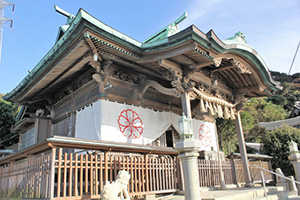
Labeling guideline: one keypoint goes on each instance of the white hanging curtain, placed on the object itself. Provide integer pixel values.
(111, 121)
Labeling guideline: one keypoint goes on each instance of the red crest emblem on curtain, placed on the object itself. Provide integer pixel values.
(130, 124)
(205, 135)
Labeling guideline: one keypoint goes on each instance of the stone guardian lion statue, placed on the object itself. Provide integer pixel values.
(117, 190)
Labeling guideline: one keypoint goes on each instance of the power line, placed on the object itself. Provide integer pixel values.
(12, 61)
(294, 59)
(28, 30)
(28, 46)
(37, 26)
(3, 19)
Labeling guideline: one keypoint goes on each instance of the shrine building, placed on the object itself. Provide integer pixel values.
(100, 101)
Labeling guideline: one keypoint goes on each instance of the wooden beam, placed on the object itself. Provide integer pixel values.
(169, 65)
(222, 68)
(252, 88)
(200, 65)
(96, 56)
(171, 52)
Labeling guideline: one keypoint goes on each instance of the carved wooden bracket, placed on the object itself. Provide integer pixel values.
(149, 83)
(218, 62)
(100, 74)
(235, 63)
(241, 67)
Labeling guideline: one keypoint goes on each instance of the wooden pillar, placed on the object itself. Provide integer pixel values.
(234, 174)
(105, 166)
(59, 172)
(147, 173)
(243, 151)
(52, 173)
(186, 105)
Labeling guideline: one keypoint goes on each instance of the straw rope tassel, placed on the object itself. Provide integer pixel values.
(220, 111)
(202, 107)
(232, 116)
(211, 110)
(226, 113)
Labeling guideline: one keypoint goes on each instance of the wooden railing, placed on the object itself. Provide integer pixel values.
(233, 172)
(254, 171)
(84, 175)
(209, 172)
(67, 168)
(26, 178)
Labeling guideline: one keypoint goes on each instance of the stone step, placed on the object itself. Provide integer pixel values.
(255, 193)
(236, 194)
(293, 198)
(283, 195)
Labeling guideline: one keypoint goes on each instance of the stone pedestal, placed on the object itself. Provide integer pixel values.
(295, 160)
(188, 149)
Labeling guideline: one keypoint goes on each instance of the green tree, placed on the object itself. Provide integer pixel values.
(281, 77)
(276, 144)
(227, 135)
(291, 94)
(7, 117)
(278, 100)
(255, 110)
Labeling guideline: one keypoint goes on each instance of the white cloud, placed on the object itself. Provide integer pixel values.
(271, 29)
(197, 9)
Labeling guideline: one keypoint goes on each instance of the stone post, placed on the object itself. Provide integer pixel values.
(188, 149)
(292, 185)
(279, 180)
(243, 151)
(294, 157)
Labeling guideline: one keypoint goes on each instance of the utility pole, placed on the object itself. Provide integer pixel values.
(3, 19)
(294, 59)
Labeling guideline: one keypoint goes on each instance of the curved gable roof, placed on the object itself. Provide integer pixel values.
(188, 42)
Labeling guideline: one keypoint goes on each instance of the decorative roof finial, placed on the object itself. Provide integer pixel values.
(65, 13)
(238, 36)
(169, 30)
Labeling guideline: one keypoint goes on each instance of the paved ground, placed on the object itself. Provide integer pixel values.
(232, 193)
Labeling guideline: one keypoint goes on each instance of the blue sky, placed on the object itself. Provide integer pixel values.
(272, 27)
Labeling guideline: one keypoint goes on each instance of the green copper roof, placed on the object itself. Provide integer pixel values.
(162, 39)
(239, 40)
(167, 31)
(241, 46)
(71, 24)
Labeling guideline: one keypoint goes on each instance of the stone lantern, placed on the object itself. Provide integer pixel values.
(188, 149)
(185, 127)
